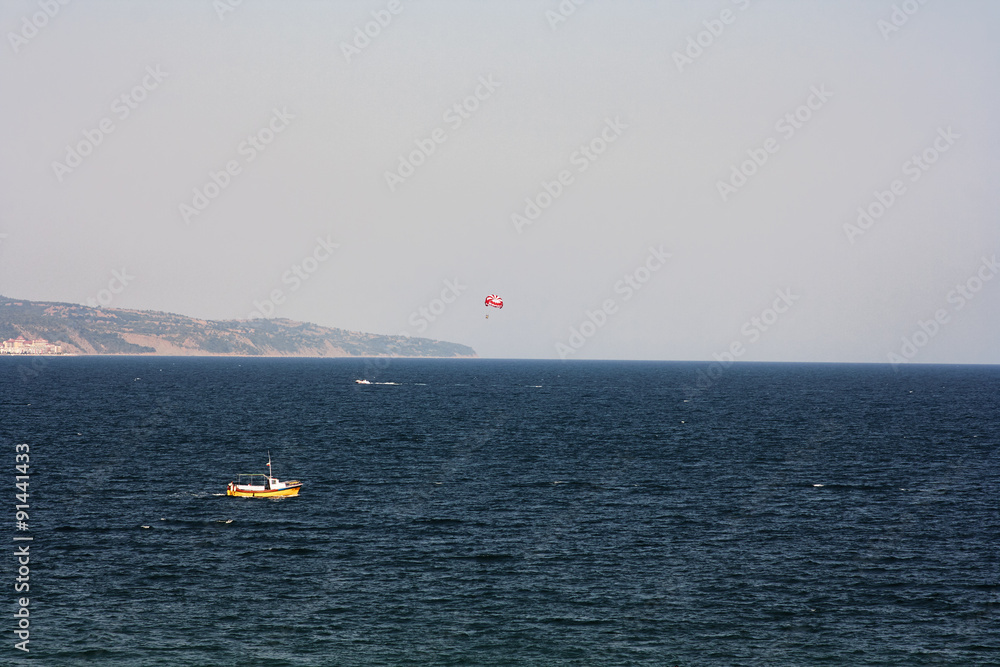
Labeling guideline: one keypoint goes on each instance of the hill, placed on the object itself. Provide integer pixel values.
(83, 330)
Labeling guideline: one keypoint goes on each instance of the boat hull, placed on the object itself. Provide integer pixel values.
(271, 493)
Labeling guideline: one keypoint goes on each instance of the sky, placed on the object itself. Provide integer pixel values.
(737, 180)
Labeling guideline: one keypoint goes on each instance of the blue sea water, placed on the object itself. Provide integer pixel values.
(477, 512)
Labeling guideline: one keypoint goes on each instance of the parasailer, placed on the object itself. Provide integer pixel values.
(493, 301)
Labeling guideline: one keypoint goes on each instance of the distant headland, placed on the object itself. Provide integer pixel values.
(45, 327)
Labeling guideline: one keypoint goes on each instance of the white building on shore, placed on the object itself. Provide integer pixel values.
(21, 346)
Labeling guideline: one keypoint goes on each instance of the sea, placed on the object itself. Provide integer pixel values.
(500, 512)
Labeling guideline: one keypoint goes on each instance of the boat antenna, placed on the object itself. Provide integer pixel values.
(269, 475)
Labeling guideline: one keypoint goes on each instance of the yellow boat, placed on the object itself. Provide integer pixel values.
(258, 485)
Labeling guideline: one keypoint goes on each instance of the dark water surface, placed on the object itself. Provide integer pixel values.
(506, 513)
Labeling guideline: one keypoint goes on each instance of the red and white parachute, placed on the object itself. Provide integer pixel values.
(493, 301)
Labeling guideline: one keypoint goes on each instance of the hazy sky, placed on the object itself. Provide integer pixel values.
(695, 165)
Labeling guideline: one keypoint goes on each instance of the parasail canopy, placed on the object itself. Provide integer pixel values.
(494, 300)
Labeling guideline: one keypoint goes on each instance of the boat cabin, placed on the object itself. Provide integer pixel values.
(255, 482)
